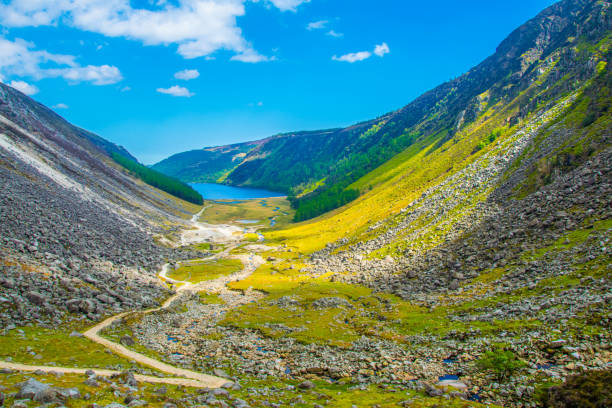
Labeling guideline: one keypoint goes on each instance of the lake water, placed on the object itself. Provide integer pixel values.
(211, 191)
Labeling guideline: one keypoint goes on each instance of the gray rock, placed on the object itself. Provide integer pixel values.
(68, 393)
(329, 302)
(306, 385)
(432, 391)
(29, 388)
(220, 373)
(47, 396)
(36, 298)
(127, 341)
(220, 392)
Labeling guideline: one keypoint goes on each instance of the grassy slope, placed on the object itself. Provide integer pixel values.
(401, 180)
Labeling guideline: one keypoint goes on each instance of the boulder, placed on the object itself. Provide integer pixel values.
(127, 341)
(28, 389)
(36, 298)
(306, 385)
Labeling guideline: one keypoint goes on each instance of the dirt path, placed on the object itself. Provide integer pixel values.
(201, 233)
(203, 379)
(104, 373)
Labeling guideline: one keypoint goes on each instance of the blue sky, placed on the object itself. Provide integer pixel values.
(164, 76)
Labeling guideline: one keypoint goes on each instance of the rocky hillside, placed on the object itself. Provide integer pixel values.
(322, 165)
(72, 219)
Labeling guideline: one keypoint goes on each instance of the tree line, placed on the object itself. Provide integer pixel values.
(156, 179)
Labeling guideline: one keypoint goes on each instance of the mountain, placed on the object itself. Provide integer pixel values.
(207, 165)
(551, 72)
(321, 165)
(70, 211)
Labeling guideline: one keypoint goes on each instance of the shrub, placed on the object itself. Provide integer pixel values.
(502, 363)
(588, 390)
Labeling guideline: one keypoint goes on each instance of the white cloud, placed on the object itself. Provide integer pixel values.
(176, 91)
(381, 49)
(60, 106)
(317, 25)
(18, 58)
(197, 27)
(288, 5)
(97, 75)
(125, 89)
(24, 87)
(353, 56)
(187, 74)
(251, 56)
(332, 33)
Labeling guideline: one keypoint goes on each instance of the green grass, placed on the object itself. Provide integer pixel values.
(56, 347)
(377, 315)
(209, 298)
(102, 395)
(198, 271)
(220, 212)
(276, 391)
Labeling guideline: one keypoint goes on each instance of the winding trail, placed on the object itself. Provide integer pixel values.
(101, 372)
(201, 233)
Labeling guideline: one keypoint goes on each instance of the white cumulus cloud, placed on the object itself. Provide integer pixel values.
(60, 106)
(187, 74)
(197, 27)
(176, 91)
(353, 56)
(24, 87)
(19, 58)
(381, 49)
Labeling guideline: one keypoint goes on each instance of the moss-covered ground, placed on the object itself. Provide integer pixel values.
(284, 393)
(44, 346)
(201, 270)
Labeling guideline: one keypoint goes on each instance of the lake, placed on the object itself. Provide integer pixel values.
(211, 191)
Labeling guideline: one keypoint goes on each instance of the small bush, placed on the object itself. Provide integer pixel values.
(502, 363)
(589, 390)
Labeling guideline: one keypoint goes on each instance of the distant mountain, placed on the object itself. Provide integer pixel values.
(207, 165)
(322, 165)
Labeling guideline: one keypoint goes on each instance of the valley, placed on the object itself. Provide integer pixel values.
(452, 253)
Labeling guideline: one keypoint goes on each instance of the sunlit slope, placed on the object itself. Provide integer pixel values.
(499, 130)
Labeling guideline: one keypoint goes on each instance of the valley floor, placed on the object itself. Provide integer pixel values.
(257, 318)
(192, 333)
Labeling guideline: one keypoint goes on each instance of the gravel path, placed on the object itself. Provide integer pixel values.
(202, 232)
(104, 373)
